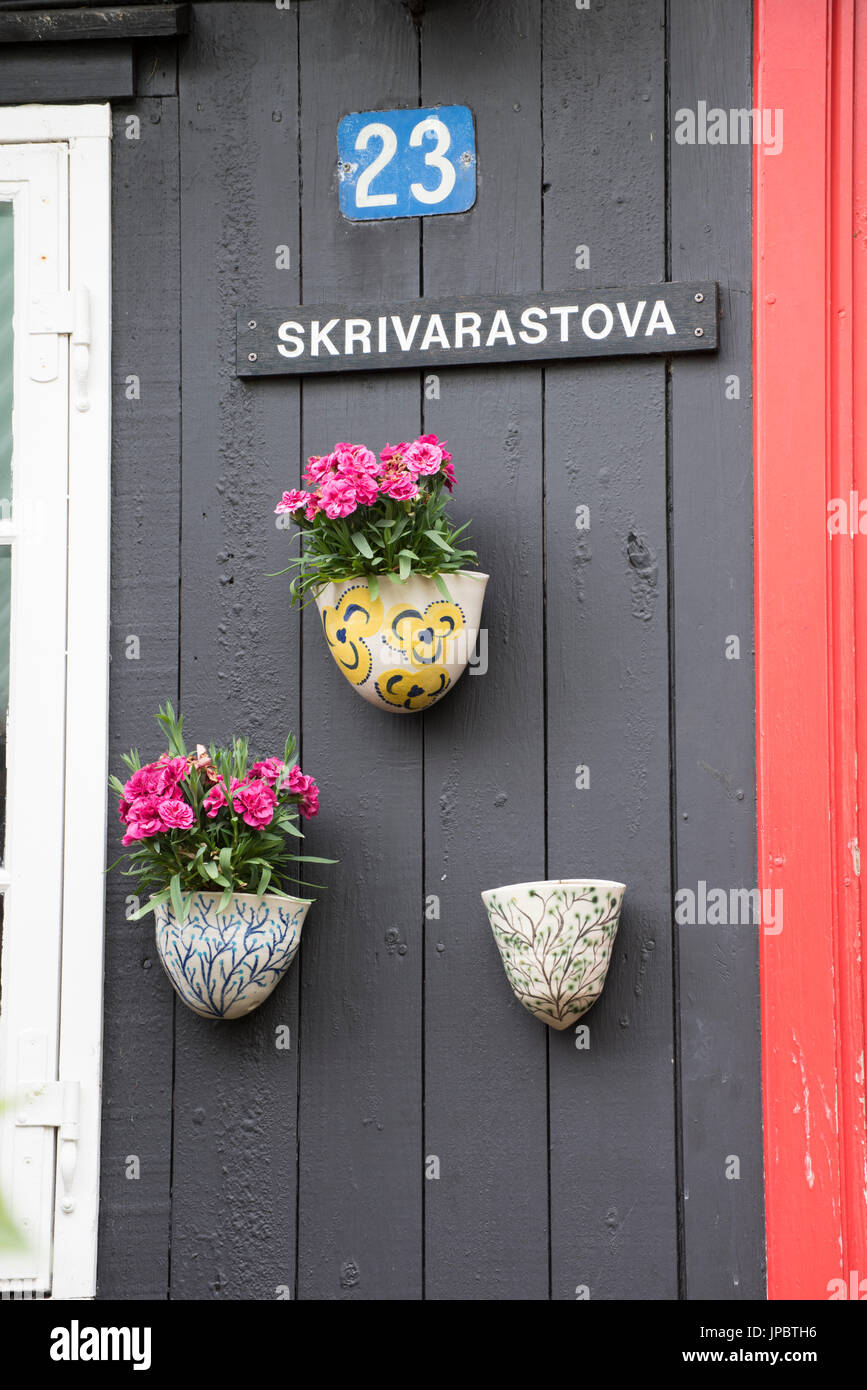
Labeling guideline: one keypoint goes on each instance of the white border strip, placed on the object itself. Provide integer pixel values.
(87, 670)
(34, 124)
(86, 132)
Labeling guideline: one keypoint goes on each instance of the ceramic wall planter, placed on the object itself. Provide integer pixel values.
(556, 939)
(403, 650)
(225, 964)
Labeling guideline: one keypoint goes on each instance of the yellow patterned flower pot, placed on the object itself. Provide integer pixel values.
(403, 650)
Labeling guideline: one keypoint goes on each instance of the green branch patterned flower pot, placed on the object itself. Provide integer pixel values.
(403, 650)
(556, 939)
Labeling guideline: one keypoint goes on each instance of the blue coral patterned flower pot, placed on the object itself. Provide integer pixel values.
(556, 940)
(225, 964)
(403, 650)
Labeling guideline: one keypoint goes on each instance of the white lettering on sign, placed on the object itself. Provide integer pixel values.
(467, 322)
(531, 318)
(659, 319)
(291, 332)
(357, 331)
(434, 333)
(404, 340)
(465, 329)
(319, 335)
(435, 159)
(630, 325)
(375, 131)
(501, 329)
(607, 320)
(563, 314)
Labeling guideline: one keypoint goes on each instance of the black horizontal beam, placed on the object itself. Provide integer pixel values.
(70, 4)
(53, 72)
(137, 21)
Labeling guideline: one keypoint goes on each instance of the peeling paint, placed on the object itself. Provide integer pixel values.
(808, 1162)
(856, 856)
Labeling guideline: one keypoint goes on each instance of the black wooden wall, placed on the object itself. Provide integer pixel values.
(266, 1172)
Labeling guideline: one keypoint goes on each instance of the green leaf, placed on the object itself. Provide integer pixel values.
(268, 841)
(441, 586)
(214, 874)
(226, 860)
(149, 906)
(290, 827)
(373, 586)
(404, 566)
(264, 880)
(359, 540)
(225, 900)
(177, 898)
(439, 540)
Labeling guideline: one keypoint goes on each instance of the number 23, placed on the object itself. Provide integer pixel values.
(435, 158)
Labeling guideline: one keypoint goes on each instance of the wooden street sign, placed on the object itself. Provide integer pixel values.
(477, 329)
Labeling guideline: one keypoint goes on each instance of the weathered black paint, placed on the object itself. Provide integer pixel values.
(713, 745)
(138, 1059)
(486, 1232)
(361, 1185)
(263, 1170)
(95, 22)
(44, 72)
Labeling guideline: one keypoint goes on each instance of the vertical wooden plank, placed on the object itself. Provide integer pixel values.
(361, 1103)
(613, 1159)
(234, 1176)
(714, 695)
(485, 1057)
(137, 1058)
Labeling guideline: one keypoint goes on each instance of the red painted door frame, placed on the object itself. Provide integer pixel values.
(810, 323)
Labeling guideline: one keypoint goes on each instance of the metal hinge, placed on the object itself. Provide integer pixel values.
(55, 1105)
(64, 312)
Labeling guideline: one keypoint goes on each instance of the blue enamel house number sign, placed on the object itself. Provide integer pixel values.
(407, 163)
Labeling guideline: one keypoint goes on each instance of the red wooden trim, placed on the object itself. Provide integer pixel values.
(811, 638)
(855, 235)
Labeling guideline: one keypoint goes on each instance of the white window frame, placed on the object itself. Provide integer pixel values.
(84, 132)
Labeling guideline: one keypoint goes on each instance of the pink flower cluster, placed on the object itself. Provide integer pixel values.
(255, 799)
(353, 477)
(153, 802)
